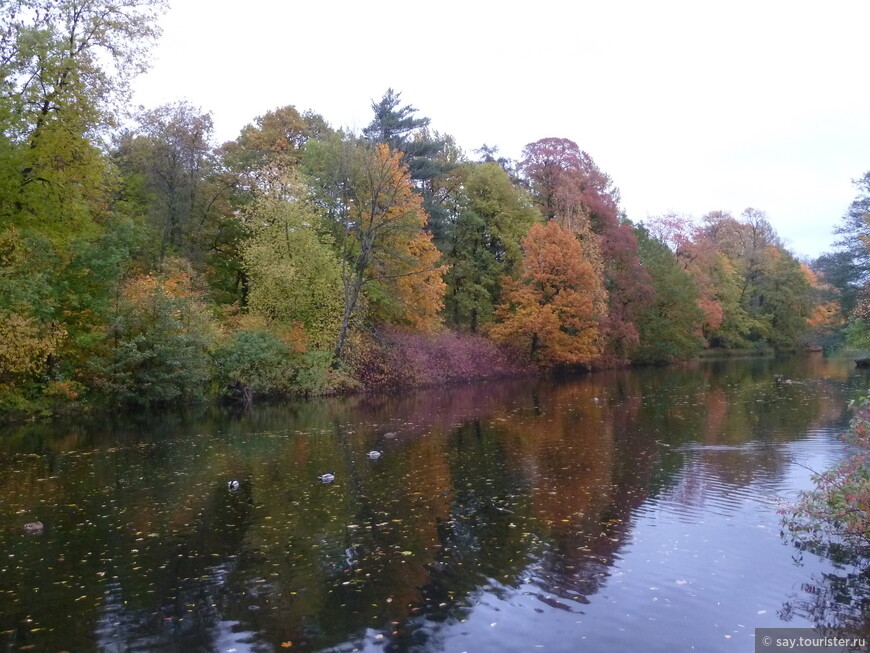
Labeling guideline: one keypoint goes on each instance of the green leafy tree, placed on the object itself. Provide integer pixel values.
(157, 349)
(257, 164)
(775, 299)
(492, 216)
(670, 326)
(847, 267)
(30, 333)
(787, 299)
(183, 194)
(753, 292)
(269, 149)
(255, 363)
(66, 68)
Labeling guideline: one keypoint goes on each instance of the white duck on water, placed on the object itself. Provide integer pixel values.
(374, 454)
(328, 477)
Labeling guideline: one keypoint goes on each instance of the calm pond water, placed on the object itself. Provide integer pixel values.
(633, 510)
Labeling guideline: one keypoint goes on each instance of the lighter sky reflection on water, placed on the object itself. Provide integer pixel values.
(703, 565)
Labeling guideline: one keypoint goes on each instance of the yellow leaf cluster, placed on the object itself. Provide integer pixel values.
(25, 344)
(421, 292)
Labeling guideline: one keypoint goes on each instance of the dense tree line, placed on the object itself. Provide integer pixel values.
(148, 263)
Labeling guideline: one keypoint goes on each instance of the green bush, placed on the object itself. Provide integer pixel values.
(857, 334)
(317, 375)
(255, 363)
(157, 351)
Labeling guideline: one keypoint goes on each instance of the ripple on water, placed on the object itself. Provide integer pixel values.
(710, 540)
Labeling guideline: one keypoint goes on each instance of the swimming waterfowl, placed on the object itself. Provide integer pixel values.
(328, 477)
(374, 454)
(233, 485)
(34, 527)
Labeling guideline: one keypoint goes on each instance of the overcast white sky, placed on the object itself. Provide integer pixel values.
(689, 106)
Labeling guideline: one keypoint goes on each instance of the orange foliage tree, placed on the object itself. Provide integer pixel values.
(416, 283)
(387, 256)
(825, 316)
(553, 310)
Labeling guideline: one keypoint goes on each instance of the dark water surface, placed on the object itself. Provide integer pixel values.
(624, 511)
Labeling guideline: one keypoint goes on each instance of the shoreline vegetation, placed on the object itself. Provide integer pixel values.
(142, 264)
(401, 363)
(833, 519)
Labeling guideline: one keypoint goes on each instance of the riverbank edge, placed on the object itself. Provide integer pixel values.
(401, 363)
(833, 519)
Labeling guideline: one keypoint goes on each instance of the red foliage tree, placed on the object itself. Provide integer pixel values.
(572, 190)
(697, 253)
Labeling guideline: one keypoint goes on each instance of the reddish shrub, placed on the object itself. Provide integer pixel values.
(398, 359)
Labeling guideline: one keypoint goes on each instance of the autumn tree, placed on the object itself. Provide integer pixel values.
(749, 243)
(553, 168)
(709, 269)
(552, 311)
(30, 331)
(270, 148)
(397, 126)
(388, 260)
(424, 153)
(827, 319)
(292, 270)
(157, 350)
(65, 68)
(753, 291)
(750, 247)
(572, 189)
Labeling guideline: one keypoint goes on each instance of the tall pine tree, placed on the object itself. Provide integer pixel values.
(423, 153)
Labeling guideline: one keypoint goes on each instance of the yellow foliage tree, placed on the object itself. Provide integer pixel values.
(419, 289)
(293, 274)
(25, 345)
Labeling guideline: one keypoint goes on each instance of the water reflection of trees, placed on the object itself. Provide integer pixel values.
(510, 487)
(836, 600)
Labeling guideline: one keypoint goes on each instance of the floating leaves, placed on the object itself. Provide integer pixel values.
(529, 505)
